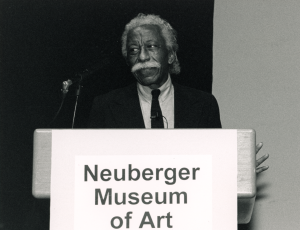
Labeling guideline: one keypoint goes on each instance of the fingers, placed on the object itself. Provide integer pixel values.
(262, 159)
(261, 169)
(258, 147)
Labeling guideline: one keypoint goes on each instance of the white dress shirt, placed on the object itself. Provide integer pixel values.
(166, 102)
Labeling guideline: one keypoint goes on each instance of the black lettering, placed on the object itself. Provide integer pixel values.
(184, 173)
(123, 175)
(144, 174)
(128, 217)
(194, 172)
(130, 174)
(157, 173)
(158, 220)
(168, 222)
(160, 202)
(132, 196)
(170, 178)
(88, 170)
(123, 200)
(103, 200)
(178, 197)
(103, 174)
(147, 195)
(120, 222)
(147, 214)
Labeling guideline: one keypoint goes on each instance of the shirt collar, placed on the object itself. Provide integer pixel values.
(165, 90)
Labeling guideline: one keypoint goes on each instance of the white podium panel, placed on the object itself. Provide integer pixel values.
(245, 145)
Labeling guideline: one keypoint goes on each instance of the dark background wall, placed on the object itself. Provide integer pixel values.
(42, 44)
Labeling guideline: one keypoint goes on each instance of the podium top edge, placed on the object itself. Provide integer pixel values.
(118, 129)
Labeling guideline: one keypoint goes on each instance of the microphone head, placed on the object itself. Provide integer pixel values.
(66, 85)
(157, 116)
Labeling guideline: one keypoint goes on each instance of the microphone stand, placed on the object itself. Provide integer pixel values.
(78, 80)
(77, 94)
(65, 90)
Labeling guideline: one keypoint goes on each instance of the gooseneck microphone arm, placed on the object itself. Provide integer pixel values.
(77, 80)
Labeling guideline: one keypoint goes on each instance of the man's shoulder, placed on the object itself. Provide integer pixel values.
(130, 91)
(116, 94)
(194, 94)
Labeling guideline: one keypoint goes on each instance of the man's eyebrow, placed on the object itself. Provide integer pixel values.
(132, 43)
(137, 42)
(151, 40)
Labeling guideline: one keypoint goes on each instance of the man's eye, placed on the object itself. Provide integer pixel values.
(152, 46)
(133, 50)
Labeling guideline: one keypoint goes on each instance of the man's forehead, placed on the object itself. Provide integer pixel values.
(151, 32)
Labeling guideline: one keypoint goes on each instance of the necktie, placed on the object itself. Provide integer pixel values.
(156, 114)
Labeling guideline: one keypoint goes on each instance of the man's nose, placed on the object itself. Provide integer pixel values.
(144, 55)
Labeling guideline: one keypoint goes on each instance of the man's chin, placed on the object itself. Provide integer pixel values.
(147, 76)
(146, 81)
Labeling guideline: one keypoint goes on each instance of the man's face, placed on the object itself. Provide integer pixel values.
(147, 55)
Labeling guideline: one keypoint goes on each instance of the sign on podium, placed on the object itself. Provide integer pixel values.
(145, 179)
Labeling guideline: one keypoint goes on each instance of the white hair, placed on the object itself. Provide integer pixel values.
(167, 32)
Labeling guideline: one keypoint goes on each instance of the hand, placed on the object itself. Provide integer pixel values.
(261, 160)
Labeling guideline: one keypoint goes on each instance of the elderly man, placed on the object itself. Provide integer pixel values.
(149, 46)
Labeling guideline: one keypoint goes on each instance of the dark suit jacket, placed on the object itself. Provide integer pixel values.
(121, 109)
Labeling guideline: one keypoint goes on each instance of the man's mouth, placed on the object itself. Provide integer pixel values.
(147, 72)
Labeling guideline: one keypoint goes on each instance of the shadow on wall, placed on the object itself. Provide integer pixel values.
(261, 194)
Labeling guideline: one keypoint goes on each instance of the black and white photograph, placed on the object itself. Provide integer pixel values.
(149, 114)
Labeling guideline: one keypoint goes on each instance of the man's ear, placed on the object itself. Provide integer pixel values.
(171, 57)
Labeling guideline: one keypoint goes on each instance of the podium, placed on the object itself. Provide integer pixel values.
(246, 176)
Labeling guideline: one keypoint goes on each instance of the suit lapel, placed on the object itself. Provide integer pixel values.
(188, 110)
(126, 109)
(127, 113)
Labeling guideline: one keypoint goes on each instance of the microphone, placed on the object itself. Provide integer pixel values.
(157, 116)
(65, 86)
(85, 74)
